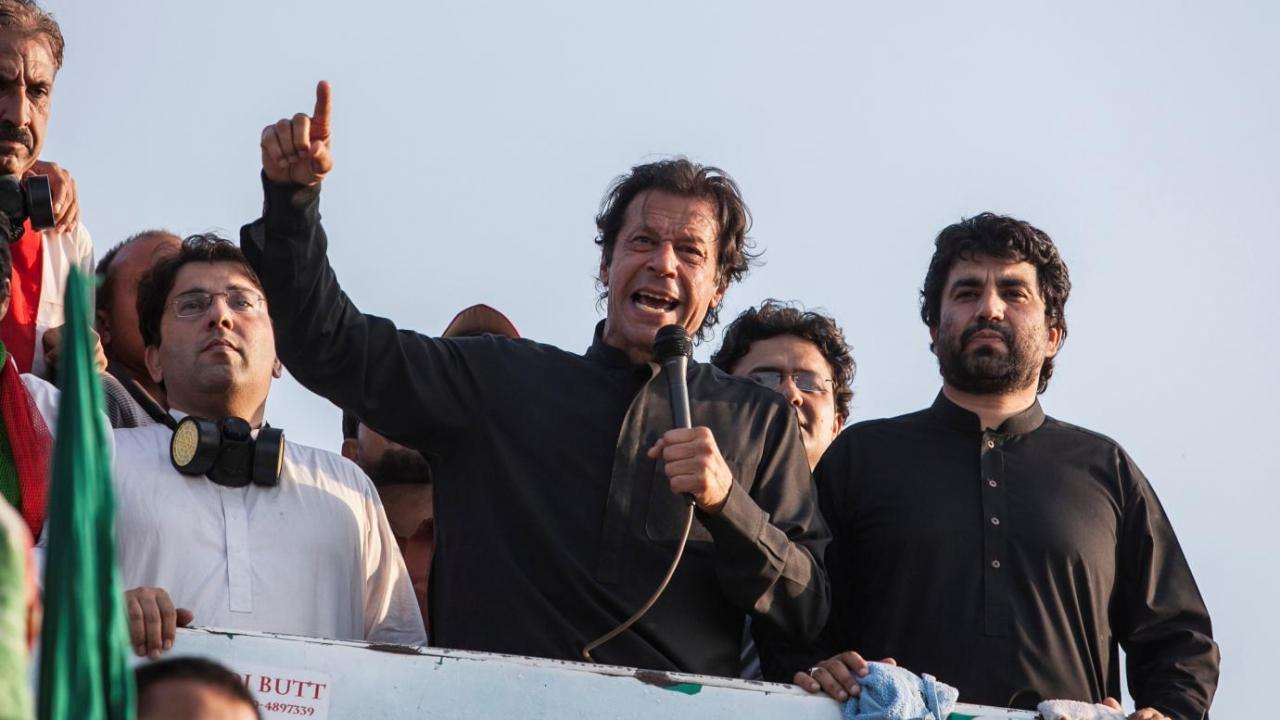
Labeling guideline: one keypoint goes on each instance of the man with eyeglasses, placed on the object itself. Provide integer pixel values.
(801, 354)
(304, 550)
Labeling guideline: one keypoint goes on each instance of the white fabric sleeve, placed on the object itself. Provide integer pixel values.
(45, 395)
(84, 249)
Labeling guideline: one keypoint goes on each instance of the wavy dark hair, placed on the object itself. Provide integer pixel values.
(1005, 238)
(29, 19)
(683, 177)
(157, 283)
(774, 318)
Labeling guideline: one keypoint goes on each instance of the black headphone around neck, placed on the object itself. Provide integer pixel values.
(226, 452)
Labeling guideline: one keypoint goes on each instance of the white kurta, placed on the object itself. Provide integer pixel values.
(312, 556)
(60, 253)
(45, 396)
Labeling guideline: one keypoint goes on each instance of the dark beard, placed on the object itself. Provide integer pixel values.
(400, 466)
(984, 371)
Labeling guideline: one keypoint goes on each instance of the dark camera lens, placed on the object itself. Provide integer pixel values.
(29, 199)
(11, 201)
(39, 202)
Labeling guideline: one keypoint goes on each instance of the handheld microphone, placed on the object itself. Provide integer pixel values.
(672, 349)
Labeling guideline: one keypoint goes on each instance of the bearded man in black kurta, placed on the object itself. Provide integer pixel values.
(558, 476)
(1006, 552)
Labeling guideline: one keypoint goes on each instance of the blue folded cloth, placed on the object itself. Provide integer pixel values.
(893, 693)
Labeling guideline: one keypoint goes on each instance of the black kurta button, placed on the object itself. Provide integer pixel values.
(992, 482)
(995, 564)
(991, 444)
(995, 520)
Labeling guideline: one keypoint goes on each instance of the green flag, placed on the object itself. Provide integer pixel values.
(84, 642)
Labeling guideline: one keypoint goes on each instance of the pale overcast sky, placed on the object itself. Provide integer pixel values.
(473, 141)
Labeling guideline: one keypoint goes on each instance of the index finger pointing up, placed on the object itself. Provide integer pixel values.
(324, 105)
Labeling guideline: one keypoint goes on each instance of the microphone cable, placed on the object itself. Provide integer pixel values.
(675, 562)
(672, 348)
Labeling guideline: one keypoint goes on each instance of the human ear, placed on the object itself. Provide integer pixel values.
(102, 324)
(715, 299)
(1055, 337)
(151, 355)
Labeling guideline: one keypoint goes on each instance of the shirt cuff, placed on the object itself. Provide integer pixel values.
(289, 205)
(740, 519)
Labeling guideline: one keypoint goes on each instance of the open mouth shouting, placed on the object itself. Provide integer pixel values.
(655, 301)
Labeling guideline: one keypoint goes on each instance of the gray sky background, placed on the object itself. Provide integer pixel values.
(474, 140)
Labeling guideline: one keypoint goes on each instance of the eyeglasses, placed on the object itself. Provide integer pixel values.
(806, 380)
(196, 303)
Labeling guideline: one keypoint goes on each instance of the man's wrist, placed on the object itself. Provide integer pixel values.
(737, 517)
(289, 202)
(715, 507)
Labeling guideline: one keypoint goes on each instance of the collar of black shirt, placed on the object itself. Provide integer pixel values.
(610, 356)
(952, 415)
(604, 353)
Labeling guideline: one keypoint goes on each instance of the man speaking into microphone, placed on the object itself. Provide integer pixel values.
(566, 475)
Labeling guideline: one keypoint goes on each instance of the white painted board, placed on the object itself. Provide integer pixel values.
(324, 679)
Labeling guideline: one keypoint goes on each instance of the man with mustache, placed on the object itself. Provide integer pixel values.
(297, 545)
(559, 473)
(1006, 552)
(31, 46)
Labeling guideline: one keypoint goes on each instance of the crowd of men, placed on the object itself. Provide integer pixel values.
(1005, 551)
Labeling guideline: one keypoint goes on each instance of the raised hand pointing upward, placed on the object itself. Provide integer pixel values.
(296, 149)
